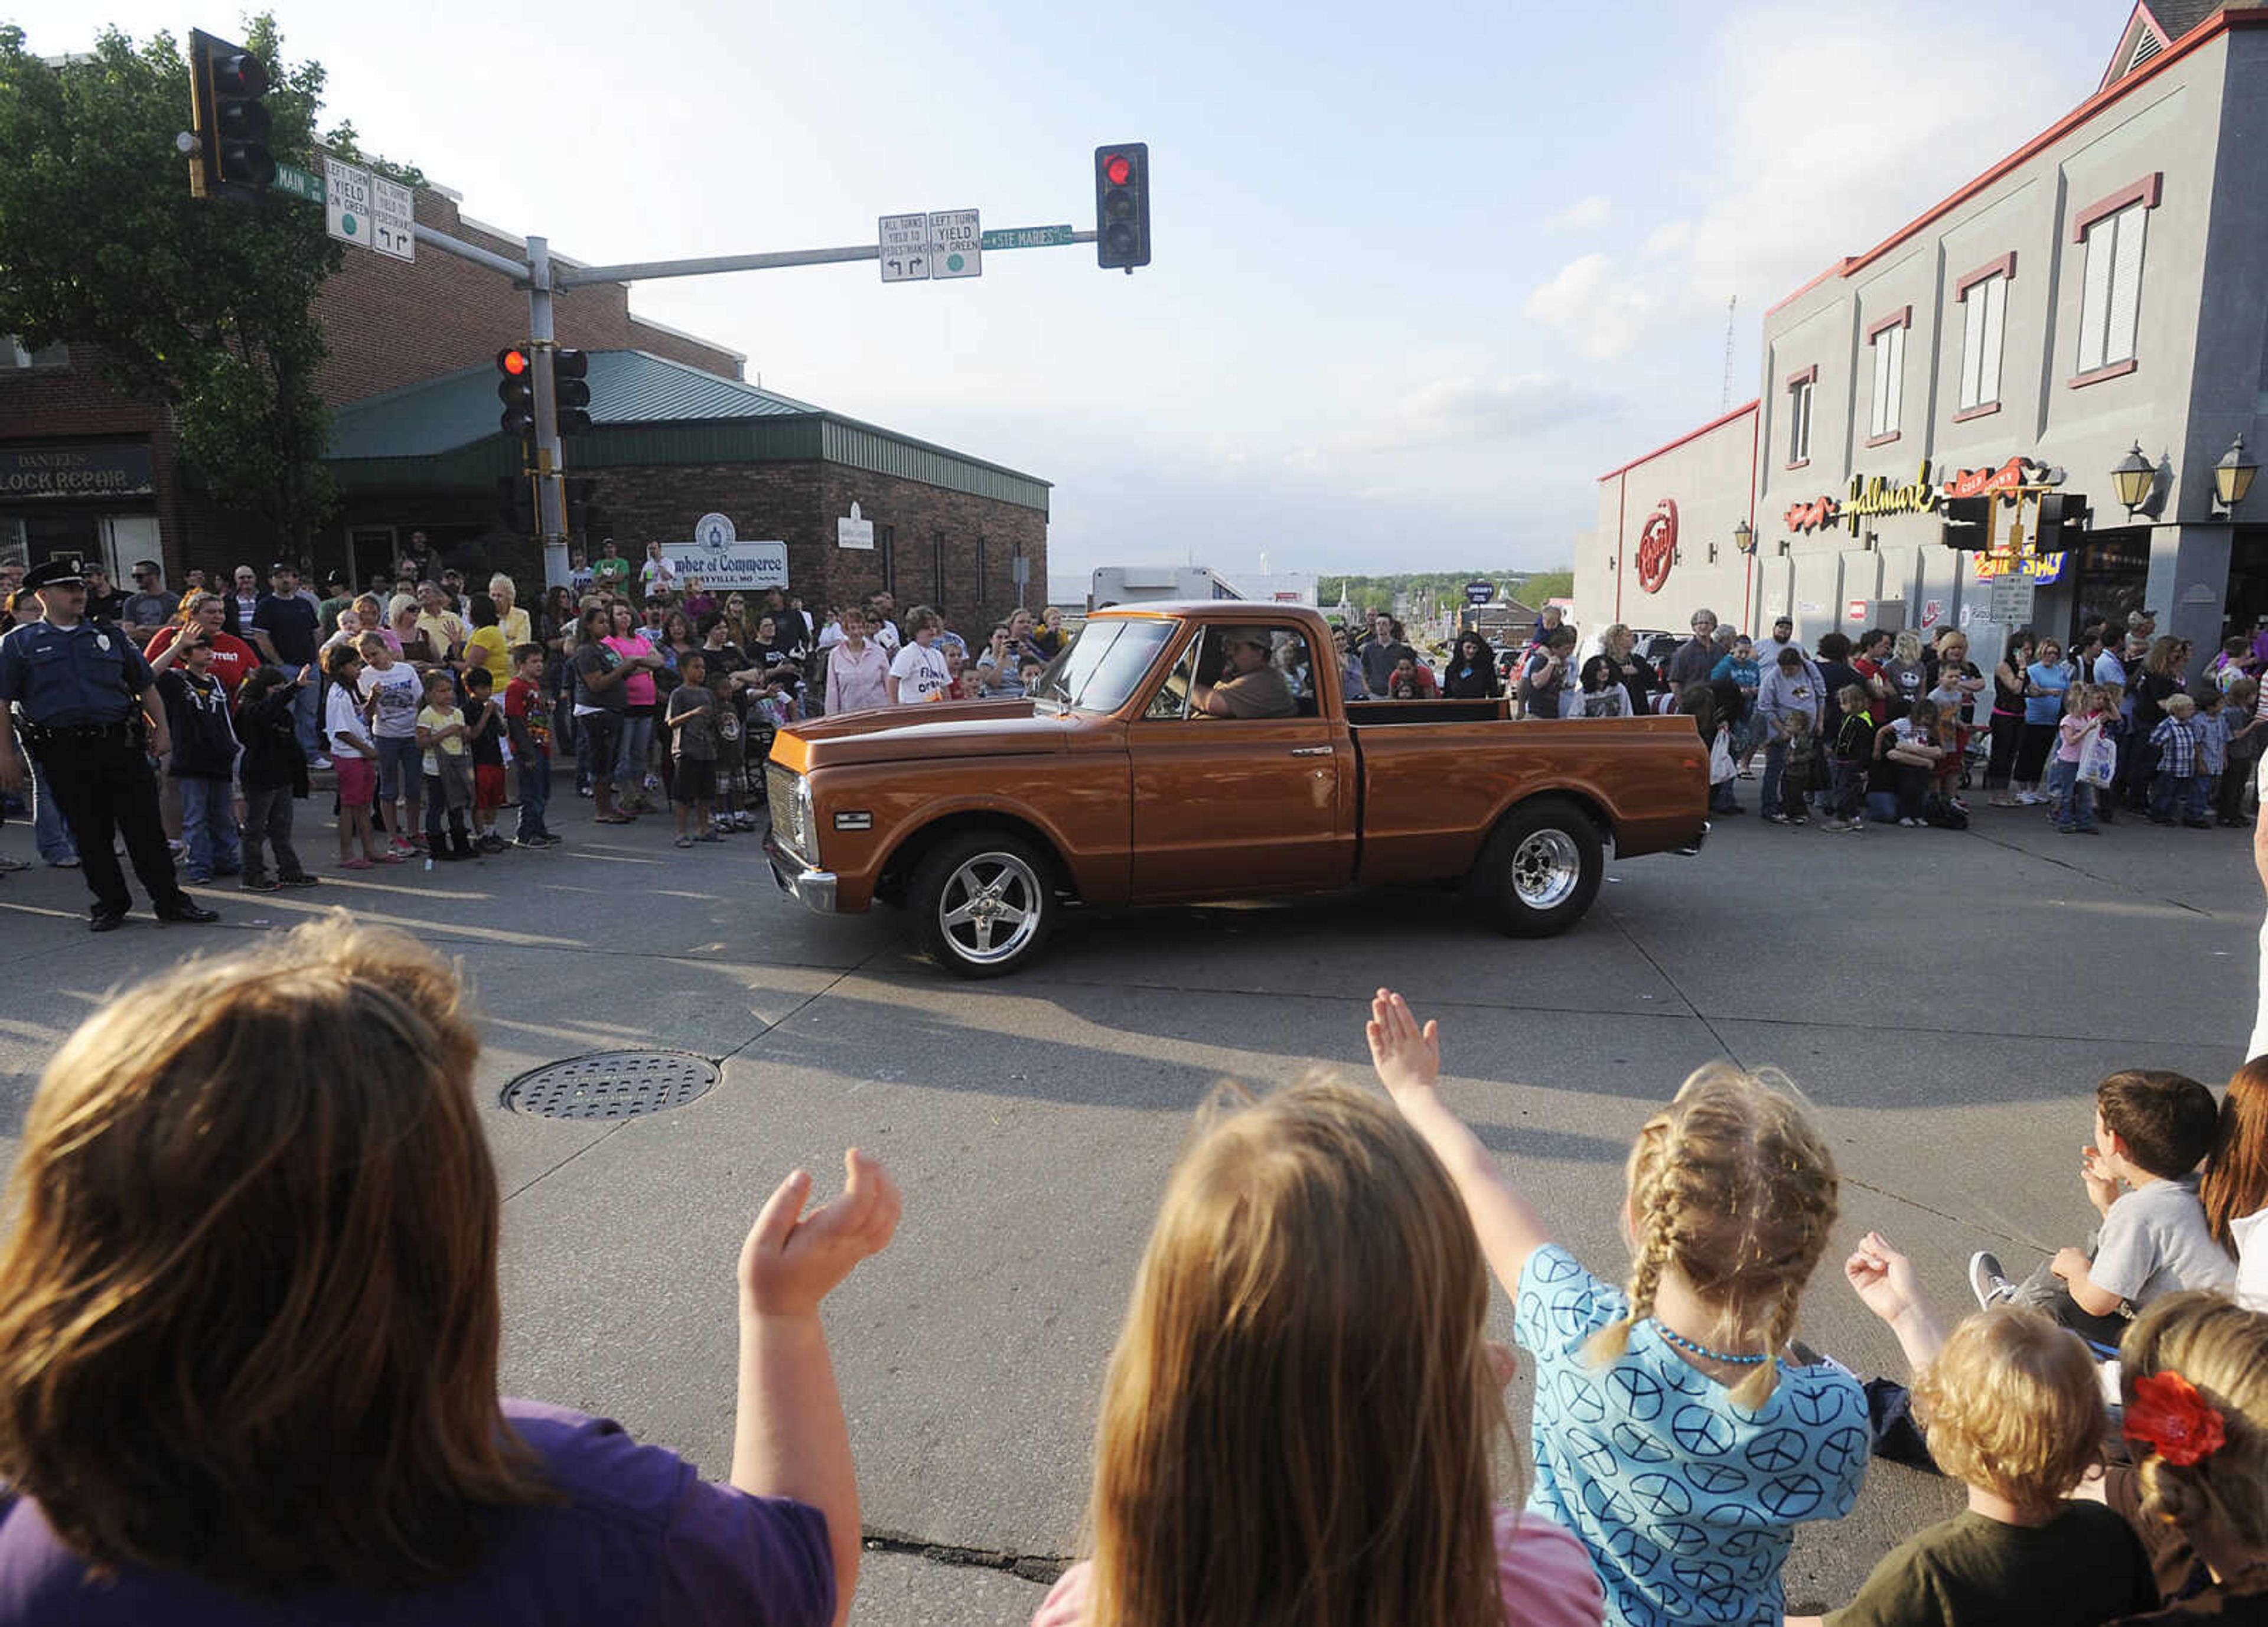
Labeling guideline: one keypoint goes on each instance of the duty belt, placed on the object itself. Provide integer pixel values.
(38, 735)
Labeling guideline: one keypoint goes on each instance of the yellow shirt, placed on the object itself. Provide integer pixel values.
(518, 630)
(492, 647)
(434, 718)
(445, 632)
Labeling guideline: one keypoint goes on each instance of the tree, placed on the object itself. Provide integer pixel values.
(208, 307)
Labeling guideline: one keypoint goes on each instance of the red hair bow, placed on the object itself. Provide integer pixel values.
(2168, 1416)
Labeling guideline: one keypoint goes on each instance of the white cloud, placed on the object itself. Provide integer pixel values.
(1602, 313)
(1586, 214)
(1467, 412)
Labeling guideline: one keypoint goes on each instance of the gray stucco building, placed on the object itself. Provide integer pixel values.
(2103, 287)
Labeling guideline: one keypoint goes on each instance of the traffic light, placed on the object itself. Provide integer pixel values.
(571, 396)
(2062, 516)
(226, 83)
(1967, 523)
(516, 389)
(516, 504)
(1122, 205)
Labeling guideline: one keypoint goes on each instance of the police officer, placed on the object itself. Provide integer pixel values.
(82, 697)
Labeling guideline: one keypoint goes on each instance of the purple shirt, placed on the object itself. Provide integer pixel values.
(641, 1539)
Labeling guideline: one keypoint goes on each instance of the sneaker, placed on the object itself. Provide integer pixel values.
(1838, 825)
(527, 841)
(261, 884)
(1801, 818)
(198, 878)
(1909, 824)
(301, 879)
(8, 863)
(745, 820)
(687, 842)
(1775, 819)
(318, 762)
(490, 843)
(1988, 1282)
(550, 841)
(392, 856)
(1859, 824)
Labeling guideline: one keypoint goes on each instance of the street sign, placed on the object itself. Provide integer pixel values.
(392, 220)
(346, 201)
(2011, 602)
(1028, 237)
(955, 244)
(905, 248)
(856, 531)
(297, 183)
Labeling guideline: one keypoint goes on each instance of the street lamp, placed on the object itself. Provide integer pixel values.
(2133, 478)
(2232, 476)
(1744, 537)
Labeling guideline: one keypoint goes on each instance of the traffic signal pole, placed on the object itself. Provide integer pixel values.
(551, 506)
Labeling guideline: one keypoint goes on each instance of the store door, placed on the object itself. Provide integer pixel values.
(2114, 572)
(127, 538)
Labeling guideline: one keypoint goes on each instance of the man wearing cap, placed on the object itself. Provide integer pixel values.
(1249, 686)
(82, 695)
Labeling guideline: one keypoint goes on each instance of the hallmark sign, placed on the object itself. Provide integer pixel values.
(1873, 495)
(81, 472)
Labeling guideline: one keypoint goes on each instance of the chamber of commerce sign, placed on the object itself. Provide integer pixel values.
(1873, 495)
(64, 472)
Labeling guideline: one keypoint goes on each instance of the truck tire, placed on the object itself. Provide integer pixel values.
(1540, 870)
(986, 902)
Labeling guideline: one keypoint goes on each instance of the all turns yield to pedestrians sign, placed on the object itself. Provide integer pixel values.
(939, 245)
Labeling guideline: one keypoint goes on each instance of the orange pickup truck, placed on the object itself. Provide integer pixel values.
(1173, 753)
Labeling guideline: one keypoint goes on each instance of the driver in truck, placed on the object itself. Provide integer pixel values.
(1252, 687)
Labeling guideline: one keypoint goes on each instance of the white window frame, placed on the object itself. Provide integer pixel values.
(1887, 406)
(1800, 393)
(2110, 289)
(1984, 337)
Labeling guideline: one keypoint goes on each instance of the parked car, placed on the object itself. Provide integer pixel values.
(1120, 782)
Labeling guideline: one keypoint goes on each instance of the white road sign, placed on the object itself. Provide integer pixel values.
(855, 530)
(346, 201)
(2012, 596)
(905, 248)
(392, 220)
(956, 244)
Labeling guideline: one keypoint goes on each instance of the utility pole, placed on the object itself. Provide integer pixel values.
(551, 505)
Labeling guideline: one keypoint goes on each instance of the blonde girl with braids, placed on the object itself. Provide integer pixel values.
(2194, 1376)
(1670, 1433)
(1303, 1420)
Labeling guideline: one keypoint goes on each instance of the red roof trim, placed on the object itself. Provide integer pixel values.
(1808, 375)
(1691, 435)
(2197, 38)
(2144, 192)
(2005, 265)
(1902, 317)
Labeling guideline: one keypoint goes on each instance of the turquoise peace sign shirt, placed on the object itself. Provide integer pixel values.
(1687, 1502)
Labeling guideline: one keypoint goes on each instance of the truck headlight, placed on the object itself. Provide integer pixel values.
(806, 820)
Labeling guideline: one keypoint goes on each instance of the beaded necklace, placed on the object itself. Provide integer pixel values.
(1672, 1336)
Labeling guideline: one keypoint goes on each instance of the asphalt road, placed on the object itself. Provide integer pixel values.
(1947, 999)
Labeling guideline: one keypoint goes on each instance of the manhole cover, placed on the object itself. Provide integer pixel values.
(611, 1085)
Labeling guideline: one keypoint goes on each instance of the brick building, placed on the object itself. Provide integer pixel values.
(416, 446)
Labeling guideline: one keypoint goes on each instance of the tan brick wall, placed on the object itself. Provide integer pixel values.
(389, 324)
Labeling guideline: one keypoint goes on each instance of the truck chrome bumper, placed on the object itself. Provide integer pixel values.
(814, 889)
(1694, 848)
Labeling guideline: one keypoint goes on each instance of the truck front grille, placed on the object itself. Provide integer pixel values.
(780, 792)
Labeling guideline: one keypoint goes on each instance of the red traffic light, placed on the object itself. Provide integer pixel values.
(513, 363)
(1119, 168)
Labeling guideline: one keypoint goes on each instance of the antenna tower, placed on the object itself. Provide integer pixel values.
(1724, 400)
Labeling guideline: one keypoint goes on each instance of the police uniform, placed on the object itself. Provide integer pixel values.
(77, 698)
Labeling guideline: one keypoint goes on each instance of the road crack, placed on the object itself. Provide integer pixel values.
(1041, 1568)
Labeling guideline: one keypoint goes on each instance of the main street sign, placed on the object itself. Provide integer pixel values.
(297, 183)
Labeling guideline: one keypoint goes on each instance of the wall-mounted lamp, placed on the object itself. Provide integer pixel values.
(2132, 479)
(1744, 537)
(2232, 476)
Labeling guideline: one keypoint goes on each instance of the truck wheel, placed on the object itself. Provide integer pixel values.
(1540, 870)
(986, 902)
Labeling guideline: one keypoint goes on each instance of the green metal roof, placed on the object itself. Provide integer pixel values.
(644, 409)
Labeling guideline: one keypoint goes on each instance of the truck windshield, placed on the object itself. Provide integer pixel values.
(1098, 669)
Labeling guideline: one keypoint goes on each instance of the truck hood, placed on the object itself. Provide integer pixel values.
(949, 729)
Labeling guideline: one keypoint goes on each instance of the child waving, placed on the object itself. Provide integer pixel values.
(1669, 1433)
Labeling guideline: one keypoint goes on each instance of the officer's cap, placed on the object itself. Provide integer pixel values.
(67, 572)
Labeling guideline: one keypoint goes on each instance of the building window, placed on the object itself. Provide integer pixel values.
(1801, 389)
(15, 359)
(1984, 294)
(1889, 344)
(890, 541)
(2110, 296)
(983, 584)
(936, 565)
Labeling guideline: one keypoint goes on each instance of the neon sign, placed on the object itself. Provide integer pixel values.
(1872, 495)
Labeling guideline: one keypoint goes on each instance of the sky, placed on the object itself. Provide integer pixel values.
(1422, 273)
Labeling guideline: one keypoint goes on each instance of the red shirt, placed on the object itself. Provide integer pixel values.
(231, 658)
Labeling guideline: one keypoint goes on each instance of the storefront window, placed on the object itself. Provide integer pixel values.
(2113, 572)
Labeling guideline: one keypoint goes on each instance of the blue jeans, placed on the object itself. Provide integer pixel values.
(2070, 798)
(2167, 788)
(1775, 765)
(1850, 778)
(208, 826)
(534, 794)
(635, 751)
(50, 834)
(306, 709)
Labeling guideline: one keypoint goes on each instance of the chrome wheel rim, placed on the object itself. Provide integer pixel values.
(990, 908)
(1546, 869)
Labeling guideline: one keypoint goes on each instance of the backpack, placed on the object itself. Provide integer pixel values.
(1938, 812)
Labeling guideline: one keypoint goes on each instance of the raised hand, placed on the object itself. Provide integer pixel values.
(1883, 1278)
(793, 1261)
(1408, 1058)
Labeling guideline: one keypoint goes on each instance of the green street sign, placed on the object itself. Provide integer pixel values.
(298, 183)
(1028, 236)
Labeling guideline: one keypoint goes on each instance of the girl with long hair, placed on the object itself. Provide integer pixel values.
(1471, 675)
(2235, 1189)
(2007, 722)
(1674, 1393)
(1303, 1417)
(2045, 679)
(248, 1352)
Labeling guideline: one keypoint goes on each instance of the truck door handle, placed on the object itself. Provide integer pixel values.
(1311, 751)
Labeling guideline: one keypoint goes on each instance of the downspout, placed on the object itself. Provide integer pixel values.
(1756, 428)
(1621, 497)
